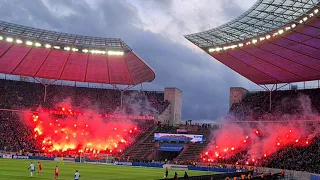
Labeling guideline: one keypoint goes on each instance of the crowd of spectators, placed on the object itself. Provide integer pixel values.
(19, 95)
(302, 158)
(286, 105)
(255, 105)
(15, 136)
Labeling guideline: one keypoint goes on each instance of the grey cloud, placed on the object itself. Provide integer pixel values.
(231, 9)
(204, 82)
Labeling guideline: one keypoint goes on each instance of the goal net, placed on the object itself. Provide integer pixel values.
(96, 158)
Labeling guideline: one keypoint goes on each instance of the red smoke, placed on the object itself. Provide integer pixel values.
(87, 133)
(257, 140)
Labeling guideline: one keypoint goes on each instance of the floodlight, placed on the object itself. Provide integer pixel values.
(254, 41)
(117, 53)
(74, 49)
(280, 31)
(48, 46)
(19, 41)
(268, 36)
(305, 19)
(85, 50)
(37, 44)
(240, 45)
(56, 47)
(29, 43)
(67, 48)
(211, 50)
(9, 39)
(316, 11)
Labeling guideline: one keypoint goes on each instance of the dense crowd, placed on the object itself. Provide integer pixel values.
(15, 136)
(18, 95)
(300, 158)
(255, 105)
(286, 105)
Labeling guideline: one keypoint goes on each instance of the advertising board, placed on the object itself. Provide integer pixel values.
(178, 137)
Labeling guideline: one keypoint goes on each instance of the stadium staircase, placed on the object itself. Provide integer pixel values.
(193, 151)
(138, 149)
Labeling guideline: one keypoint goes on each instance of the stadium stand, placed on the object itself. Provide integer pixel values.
(18, 94)
(298, 104)
(255, 105)
(296, 158)
(192, 151)
(15, 136)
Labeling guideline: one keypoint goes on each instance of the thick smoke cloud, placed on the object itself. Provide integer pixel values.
(260, 139)
(76, 129)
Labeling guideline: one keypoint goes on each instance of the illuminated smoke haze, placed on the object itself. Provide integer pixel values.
(88, 132)
(260, 139)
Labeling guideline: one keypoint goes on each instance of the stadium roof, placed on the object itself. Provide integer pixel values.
(39, 53)
(275, 41)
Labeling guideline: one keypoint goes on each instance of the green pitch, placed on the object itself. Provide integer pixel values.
(11, 169)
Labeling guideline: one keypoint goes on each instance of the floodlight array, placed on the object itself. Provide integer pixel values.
(58, 47)
(267, 36)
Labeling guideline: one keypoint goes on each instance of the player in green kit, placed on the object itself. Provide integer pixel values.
(61, 160)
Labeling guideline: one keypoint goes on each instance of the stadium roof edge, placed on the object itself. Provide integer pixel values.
(38, 53)
(48, 36)
(288, 52)
(263, 17)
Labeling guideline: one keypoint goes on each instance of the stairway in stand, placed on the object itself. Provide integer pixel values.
(142, 148)
(194, 150)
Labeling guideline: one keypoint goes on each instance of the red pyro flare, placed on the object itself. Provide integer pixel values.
(233, 138)
(82, 134)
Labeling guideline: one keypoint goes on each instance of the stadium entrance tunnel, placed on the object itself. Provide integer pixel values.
(169, 151)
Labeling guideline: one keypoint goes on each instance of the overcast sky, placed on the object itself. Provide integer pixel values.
(154, 29)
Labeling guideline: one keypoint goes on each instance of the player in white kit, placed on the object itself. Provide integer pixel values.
(76, 175)
(32, 168)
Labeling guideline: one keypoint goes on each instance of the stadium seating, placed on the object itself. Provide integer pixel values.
(15, 136)
(193, 150)
(296, 104)
(18, 94)
(297, 158)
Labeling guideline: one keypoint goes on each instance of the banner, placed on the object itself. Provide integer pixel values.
(65, 159)
(7, 156)
(182, 131)
(178, 137)
(154, 165)
(171, 147)
(20, 157)
(119, 116)
(41, 158)
(176, 167)
(123, 163)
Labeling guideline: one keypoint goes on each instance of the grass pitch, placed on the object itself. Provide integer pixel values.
(12, 169)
